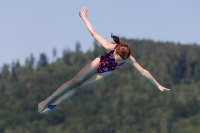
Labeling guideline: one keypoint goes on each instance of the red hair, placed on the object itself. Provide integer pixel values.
(121, 48)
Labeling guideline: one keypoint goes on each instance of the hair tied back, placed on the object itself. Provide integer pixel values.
(115, 38)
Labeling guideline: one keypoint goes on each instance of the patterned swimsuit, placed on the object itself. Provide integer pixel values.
(108, 63)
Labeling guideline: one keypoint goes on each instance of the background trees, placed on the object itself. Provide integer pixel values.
(124, 102)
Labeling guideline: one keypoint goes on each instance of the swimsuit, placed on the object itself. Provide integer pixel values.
(108, 63)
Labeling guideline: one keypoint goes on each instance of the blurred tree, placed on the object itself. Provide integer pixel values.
(14, 72)
(5, 71)
(54, 53)
(66, 57)
(43, 61)
(29, 64)
(77, 47)
(18, 67)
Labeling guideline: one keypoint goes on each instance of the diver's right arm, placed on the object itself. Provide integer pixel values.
(107, 45)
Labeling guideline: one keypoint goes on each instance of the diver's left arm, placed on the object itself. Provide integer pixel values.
(145, 73)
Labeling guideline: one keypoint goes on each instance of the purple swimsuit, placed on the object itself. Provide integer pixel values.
(108, 63)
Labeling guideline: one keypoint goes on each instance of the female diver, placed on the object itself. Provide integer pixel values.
(97, 70)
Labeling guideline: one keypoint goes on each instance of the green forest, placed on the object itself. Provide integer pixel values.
(124, 102)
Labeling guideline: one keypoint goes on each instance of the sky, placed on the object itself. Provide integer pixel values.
(38, 26)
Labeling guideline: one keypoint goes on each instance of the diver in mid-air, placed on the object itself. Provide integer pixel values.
(96, 70)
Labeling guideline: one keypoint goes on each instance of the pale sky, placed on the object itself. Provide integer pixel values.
(37, 26)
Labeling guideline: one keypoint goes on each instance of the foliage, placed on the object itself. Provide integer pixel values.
(123, 103)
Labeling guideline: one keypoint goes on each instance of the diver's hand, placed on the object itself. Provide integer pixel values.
(83, 13)
(161, 88)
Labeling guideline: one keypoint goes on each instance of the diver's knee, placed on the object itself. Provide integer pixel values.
(75, 81)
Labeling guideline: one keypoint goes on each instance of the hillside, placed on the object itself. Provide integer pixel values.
(123, 103)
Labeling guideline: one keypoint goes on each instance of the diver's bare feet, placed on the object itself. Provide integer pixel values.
(42, 106)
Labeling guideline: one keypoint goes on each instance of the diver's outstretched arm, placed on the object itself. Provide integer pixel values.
(145, 73)
(107, 45)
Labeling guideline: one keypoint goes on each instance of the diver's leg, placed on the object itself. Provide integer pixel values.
(87, 71)
(90, 81)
